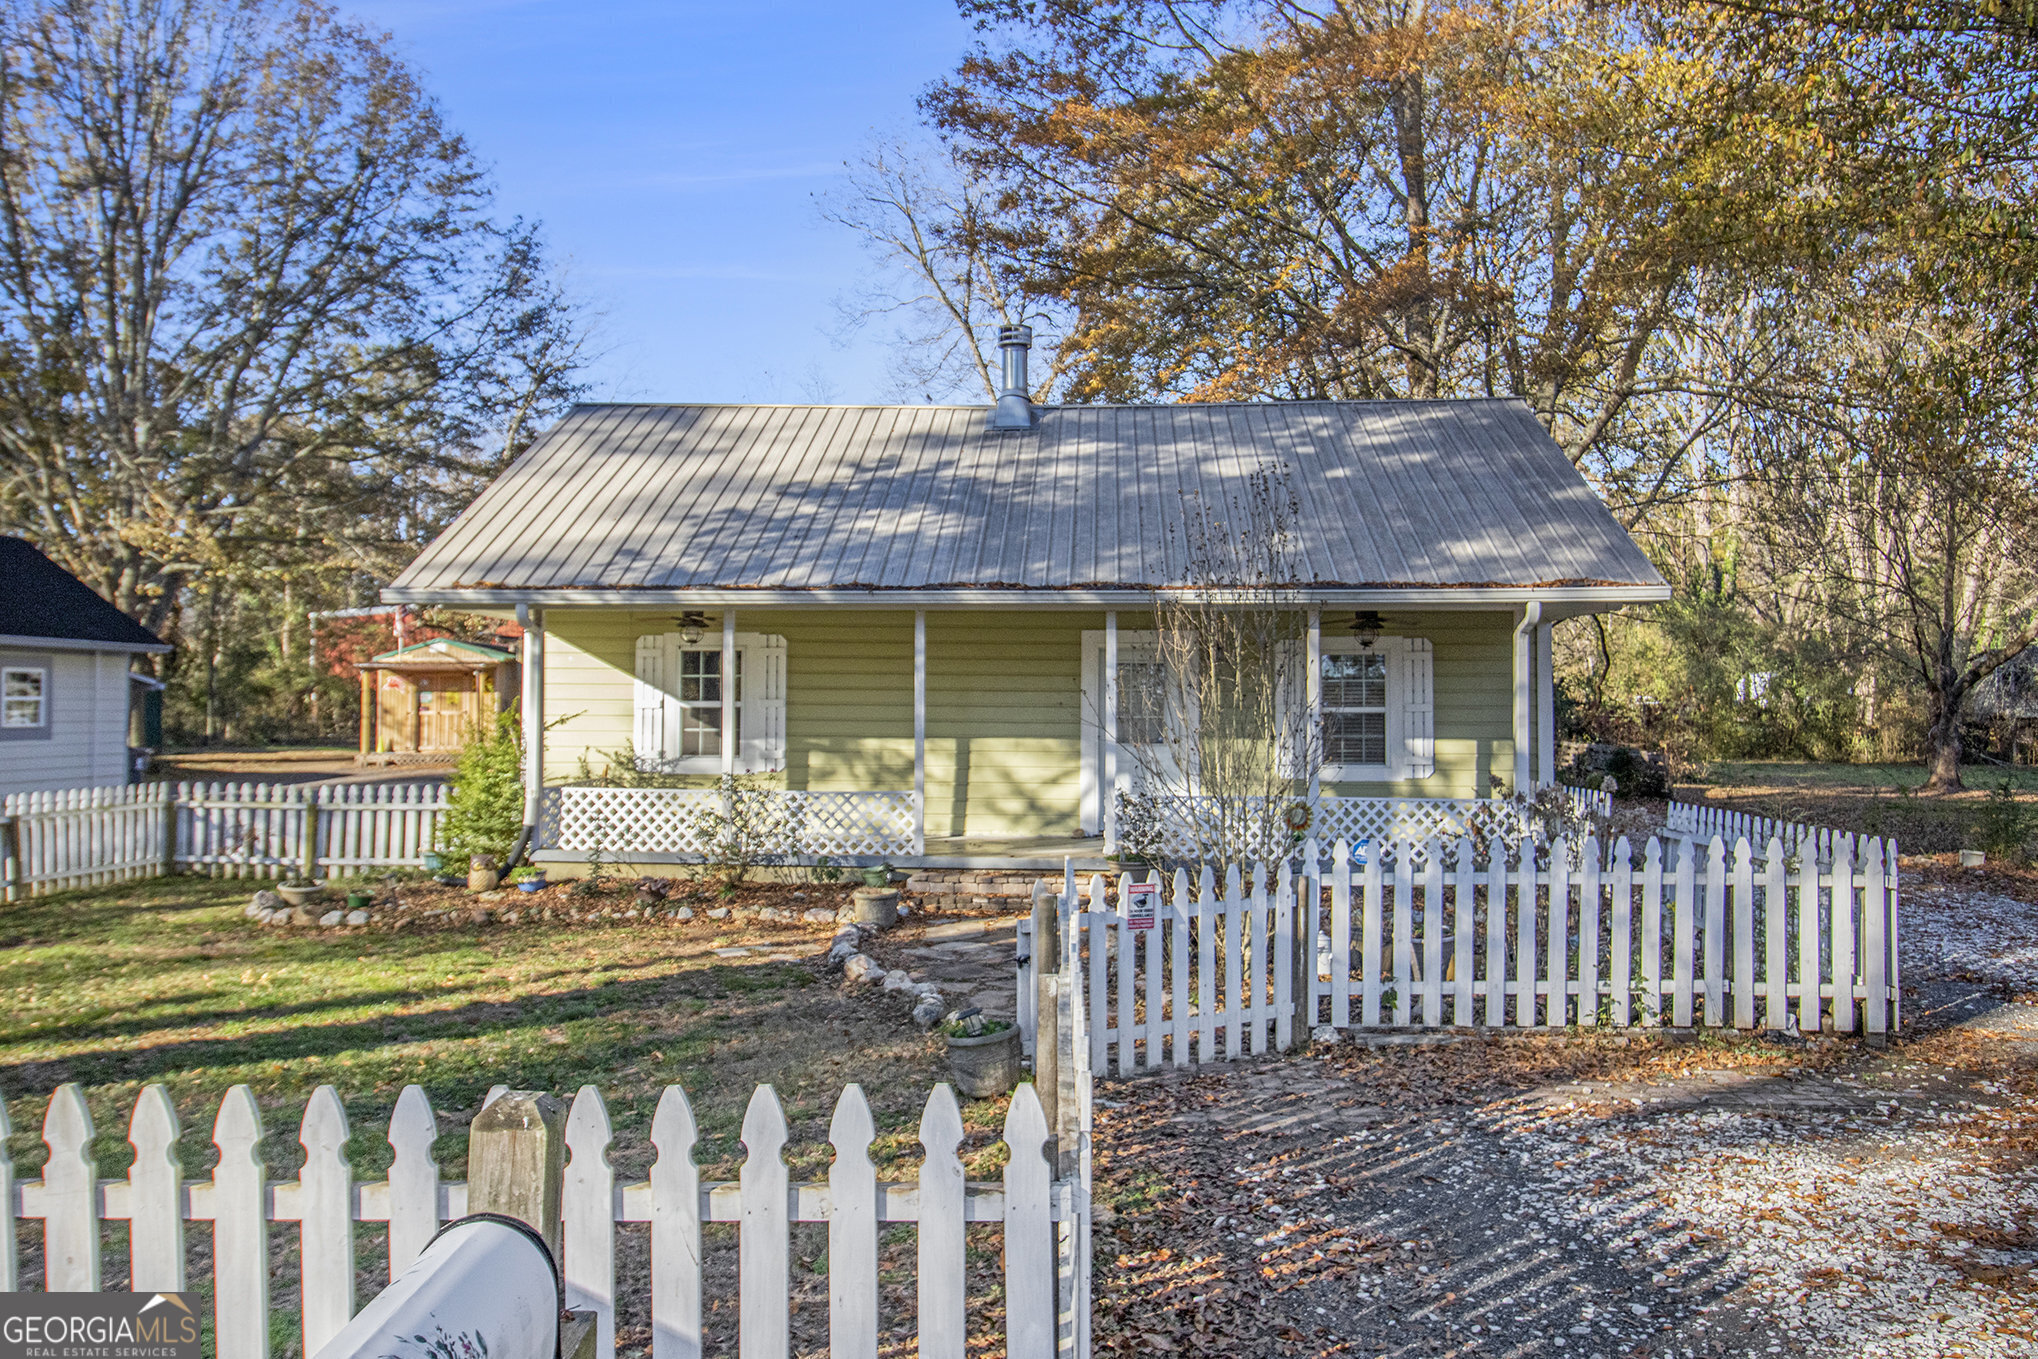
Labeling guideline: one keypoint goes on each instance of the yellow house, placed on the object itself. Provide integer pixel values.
(909, 617)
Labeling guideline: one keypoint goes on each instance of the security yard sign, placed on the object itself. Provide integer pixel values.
(1142, 901)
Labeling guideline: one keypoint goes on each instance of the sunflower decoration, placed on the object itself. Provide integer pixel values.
(1298, 816)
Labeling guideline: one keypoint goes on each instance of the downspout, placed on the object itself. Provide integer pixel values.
(1524, 680)
(533, 716)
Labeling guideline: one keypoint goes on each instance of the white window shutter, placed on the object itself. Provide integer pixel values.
(1418, 709)
(763, 701)
(648, 733)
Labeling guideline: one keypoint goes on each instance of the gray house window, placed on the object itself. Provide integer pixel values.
(25, 694)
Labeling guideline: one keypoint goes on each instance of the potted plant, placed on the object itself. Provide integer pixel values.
(983, 1054)
(359, 899)
(879, 875)
(528, 878)
(300, 891)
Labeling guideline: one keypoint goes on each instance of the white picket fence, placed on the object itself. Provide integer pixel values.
(1695, 822)
(79, 837)
(1045, 1315)
(1533, 937)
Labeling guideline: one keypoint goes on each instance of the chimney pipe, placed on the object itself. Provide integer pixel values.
(1015, 405)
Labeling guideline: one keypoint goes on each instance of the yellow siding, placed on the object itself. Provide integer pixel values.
(1004, 705)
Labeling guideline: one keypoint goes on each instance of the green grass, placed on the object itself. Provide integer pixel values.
(164, 981)
(1809, 774)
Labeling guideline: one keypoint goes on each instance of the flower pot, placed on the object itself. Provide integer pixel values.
(881, 876)
(299, 895)
(434, 861)
(877, 906)
(986, 1065)
(360, 901)
(536, 884)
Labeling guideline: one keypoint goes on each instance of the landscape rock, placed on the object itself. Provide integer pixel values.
(928, 1012)
(332, 918)
(898, 979)
(1324, 1033)
(819, 915)
(719, 913)
(303, 915)
(770, 913)
(357, 917)
(858, 968)
(683, 913)
(265, 900)
(841, 951)
(925, 989)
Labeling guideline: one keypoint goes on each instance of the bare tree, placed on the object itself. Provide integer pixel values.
(252, 304)
(1216, 720)
(926, 218)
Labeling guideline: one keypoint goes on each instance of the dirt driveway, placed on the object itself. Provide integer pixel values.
(1532, 1196)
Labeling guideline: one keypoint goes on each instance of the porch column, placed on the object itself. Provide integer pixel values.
(1110, 761)
(728, 691)
(1546, 710)
(920, 730)
(368, 692)
(1312, 689)
(533, 621)
(1524, 685)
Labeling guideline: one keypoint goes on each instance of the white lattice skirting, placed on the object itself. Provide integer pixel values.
(1377, 820)
(697, 822)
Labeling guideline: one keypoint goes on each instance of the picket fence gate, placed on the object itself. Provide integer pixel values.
(1045, 1286)
(82, 837)
(1533, 937)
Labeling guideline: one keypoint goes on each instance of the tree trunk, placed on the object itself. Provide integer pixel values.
(1942, 737)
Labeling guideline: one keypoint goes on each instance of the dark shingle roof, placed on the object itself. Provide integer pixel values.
(40, 599)
(1389, 495)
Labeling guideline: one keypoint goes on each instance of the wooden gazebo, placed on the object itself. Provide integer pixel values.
(419, 702)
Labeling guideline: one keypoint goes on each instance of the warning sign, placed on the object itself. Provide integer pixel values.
(1142, 901)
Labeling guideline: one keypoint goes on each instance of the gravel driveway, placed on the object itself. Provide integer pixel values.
(1602, 1196)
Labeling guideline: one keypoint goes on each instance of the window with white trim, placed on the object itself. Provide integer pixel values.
(699, 702)
(679, 689)
(1355, 709)
(1378, 710)
(24, 698)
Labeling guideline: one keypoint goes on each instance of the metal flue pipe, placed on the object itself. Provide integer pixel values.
(485, 1284)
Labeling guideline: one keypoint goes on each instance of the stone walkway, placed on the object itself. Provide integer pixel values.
(972, 960)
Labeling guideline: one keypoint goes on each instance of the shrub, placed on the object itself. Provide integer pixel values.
(2004, 823)
(485, 807)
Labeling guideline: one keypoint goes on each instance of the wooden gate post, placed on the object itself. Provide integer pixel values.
(308, 836)
(1046, 1019)
(1308, 906)
(516, 1160)
(169, 828)
(10, 857)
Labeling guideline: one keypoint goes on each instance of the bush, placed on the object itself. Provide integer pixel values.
(485, 809)
(2004, 823)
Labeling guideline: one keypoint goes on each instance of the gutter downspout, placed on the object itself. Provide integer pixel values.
(1524, 677)
(533, 704)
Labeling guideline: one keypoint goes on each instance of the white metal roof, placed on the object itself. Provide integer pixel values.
(663, 502)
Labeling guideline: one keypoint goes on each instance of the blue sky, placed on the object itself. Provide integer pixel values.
(673, 151)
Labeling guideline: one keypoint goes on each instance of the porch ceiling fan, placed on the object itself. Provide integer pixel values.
(692, 624)
(1366, 625)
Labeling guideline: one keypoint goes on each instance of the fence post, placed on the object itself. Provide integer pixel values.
(307, 850)
(516, 1161)
(169, 828)
(10, 856)
(1046, 1019)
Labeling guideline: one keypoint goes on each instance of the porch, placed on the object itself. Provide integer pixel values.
(970, 737)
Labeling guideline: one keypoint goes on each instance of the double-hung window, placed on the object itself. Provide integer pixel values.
(1355, 709)
(679, 703)
(700, 702)
(24, 698)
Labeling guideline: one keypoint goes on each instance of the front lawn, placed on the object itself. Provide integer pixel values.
(165, 980)
(1874, 799)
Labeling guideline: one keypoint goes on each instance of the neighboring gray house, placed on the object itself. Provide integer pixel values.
(68, 692)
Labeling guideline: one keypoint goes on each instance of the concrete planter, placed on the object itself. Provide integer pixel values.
(877, 906)
(987, 1065)
(299, 896)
